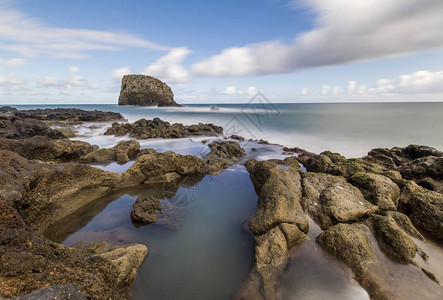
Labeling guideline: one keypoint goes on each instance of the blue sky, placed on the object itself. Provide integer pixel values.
(57, 52)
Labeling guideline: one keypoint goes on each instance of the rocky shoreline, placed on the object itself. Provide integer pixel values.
(388, 200)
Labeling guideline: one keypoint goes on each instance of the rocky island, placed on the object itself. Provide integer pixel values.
(377, 214)
(145, 90)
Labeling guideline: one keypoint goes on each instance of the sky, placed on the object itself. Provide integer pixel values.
(68, 52)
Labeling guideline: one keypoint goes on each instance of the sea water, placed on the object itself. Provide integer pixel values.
(350, 129)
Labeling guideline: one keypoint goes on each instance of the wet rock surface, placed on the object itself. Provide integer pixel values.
(157, 128)
(368, 211)
(145, 90)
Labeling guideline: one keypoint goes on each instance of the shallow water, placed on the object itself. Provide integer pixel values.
(350, 129)
(313, 274)
(207, 257)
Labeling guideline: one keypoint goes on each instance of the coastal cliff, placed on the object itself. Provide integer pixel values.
(145, 90)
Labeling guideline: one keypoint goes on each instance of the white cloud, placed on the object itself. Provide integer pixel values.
(351, 86)
(335, 90)
(11, 80)
(30, 37)
(344, 31)
(74, 81)
(117, 74)
(49, 81)
(304, 91)
(325, 89)
(168, 68)
(13, 62)
(420, 82)
(230, 90)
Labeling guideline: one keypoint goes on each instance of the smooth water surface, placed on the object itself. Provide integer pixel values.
(350, 129)
(203, 253)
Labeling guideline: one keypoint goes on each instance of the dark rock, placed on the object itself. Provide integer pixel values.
(156, 128)
(55, 292)
(145, 91)
(214, 108)
(237, 137)
(226, 149)
(26, 128)
(63, 114)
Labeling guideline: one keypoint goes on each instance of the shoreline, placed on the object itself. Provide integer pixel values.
(385, 181)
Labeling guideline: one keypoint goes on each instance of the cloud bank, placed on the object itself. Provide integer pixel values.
(32, 38)
(345, 31)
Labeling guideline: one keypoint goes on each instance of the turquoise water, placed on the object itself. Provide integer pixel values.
(350, 129)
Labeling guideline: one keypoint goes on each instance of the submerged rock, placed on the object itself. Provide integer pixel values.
(145, 90)
(157, 128)
(146, 209)
(55, 292)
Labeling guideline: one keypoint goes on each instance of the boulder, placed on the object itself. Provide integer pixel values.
(47, 149)
(279, 193)
(393, 239)
(424, 208)
(226, 149)
(163, 167)
(271, 255)
(330, 200)
(145, 90)
(29, 262)
(126, 261)
(350, 244)
(378, 189)
(157, 128)
(121, 153)
(44, 193)
(146, 209)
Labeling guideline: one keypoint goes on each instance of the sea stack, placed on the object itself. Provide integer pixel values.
(145, 90)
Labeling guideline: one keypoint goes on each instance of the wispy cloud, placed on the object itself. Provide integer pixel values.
(345, 31)
(31, 38)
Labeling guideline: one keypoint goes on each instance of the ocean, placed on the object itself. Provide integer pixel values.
(350, 129)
